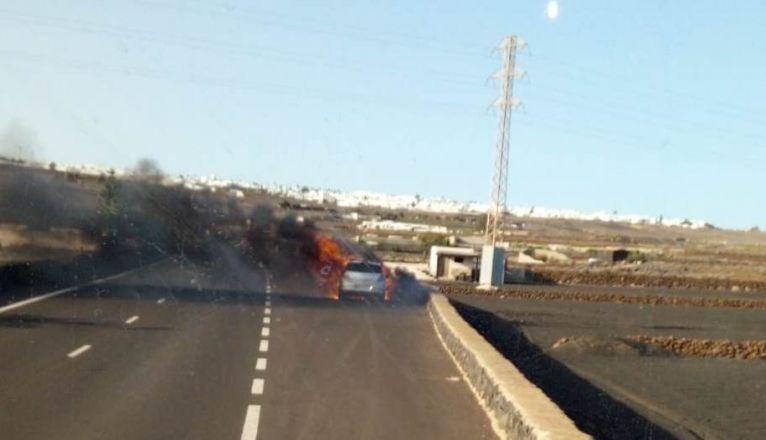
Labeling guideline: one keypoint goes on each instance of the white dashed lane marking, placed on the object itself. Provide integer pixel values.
(250, 430)
(73, 354)
(131, 320)
(257, 388)
(253, 415)
(161, 300)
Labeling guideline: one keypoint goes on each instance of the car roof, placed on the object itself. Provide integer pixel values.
(371, 263)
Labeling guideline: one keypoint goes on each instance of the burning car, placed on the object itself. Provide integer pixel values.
(337, 266)
(341, 271)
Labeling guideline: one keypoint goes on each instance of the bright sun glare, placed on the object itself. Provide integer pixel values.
(552, 10)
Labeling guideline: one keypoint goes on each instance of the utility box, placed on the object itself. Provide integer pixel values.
(492, 266)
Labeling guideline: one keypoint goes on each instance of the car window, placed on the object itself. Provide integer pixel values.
(364, 267)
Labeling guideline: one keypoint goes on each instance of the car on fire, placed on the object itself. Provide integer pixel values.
(363, 278)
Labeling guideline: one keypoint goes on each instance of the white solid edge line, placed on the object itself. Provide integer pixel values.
(267, 320)
(132, 319)
(263, 346)
(265, 332)
(45, 296)
(257, 388)
(250, 429)
(74, 353)
(161, 300)
(37, 298)
(260, 364)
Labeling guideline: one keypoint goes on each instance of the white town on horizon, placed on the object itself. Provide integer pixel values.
(355, 199)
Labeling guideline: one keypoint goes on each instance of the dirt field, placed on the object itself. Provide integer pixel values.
(659, 256)
(17, 243)
(692, 364)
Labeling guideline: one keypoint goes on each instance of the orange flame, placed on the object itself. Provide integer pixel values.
(329, 263)
(389, 283)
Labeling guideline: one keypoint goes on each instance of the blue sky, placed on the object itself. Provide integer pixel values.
(652, 107)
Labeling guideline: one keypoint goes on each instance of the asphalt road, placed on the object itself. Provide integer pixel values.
(690, 396)
(176, 351)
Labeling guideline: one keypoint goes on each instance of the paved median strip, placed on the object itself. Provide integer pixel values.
(74, 353)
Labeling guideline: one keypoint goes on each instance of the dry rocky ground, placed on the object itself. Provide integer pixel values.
(660, 256)
(584, 295)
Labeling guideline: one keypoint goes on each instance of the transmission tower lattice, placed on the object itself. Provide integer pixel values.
(506, 103)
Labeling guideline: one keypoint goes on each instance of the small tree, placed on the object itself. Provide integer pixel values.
(433, 239)
(108, 211)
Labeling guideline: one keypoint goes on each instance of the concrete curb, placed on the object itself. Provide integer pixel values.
(516, 407)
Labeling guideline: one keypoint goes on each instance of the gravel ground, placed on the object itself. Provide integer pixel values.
(695, 368)
(617, 296)
(617, 277)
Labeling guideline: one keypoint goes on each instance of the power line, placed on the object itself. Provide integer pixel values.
(658, 118)
(228, 83)
(586, 73)
(219, 47)
(216, 46)
(589, 76)
(547, 93)
(358, 34)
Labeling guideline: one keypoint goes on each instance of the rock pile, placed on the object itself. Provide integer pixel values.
(707, 347)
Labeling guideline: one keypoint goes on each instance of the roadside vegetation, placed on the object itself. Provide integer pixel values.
(108, 214)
